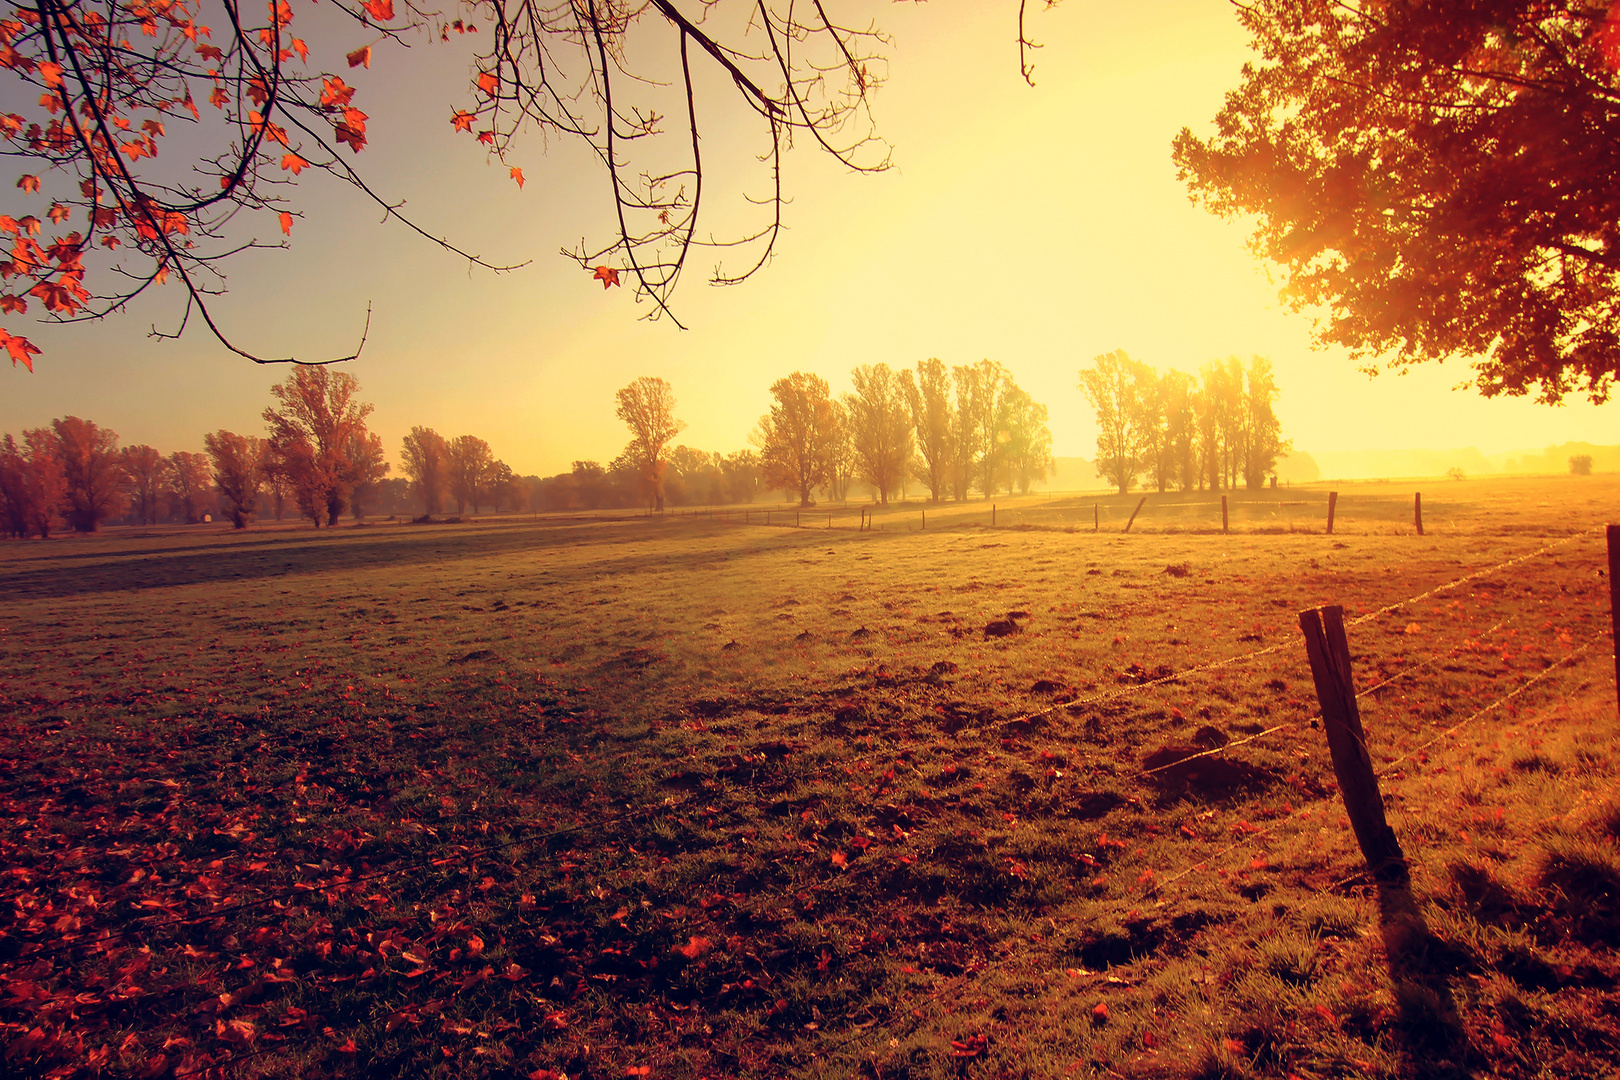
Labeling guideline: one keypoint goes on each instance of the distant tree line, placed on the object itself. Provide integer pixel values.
(1171, 429)
(954, 432)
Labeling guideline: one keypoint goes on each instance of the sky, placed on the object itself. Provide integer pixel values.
(1039, 227)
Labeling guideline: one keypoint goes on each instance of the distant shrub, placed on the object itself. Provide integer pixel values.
(1580, 465)
(1456, 473)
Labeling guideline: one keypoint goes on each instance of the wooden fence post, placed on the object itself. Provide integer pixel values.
(1096, 518)
(1138, 510)
(1329, 653)
(795, 519)
(1417, 512)
(767, 517)
(1333, 502)
(925, 519)
(992, 515)
(1224, 521)
(1614, 597)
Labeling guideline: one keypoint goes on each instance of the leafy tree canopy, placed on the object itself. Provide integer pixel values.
(1437, 180)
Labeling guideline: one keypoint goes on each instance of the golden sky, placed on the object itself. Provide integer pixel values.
(1037, 227)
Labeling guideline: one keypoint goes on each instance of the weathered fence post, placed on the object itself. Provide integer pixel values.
(1138, 510)
(1329, 653)
(1096, 518)
(1333, 502)
(992, 515)
(1613, 532)
(1417, 512)
(767, 517)
(796, 519)
(925, 519)
(1224, 521)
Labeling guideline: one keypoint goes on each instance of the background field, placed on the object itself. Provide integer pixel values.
(588, 795)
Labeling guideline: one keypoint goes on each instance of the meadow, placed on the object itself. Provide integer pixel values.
(615, 795)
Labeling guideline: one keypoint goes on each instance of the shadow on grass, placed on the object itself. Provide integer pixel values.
(1429, 1031)
(210, 561)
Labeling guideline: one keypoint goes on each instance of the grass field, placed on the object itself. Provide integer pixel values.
(681, 797)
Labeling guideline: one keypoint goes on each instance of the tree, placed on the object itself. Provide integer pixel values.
(238, 472)
(93, 472)
(743, 477)
(1436, 179)
(647, 406)
(928, 399)
(190, 477)
(839, 451)
(981, 397)
(794, 437)
(1580, 465)
(314, 438)
(879, 427)
(146, 471)
(1120, 390)
(1175, 460)
(33, 485)
(109, 84)
(368, 464)
(471, 461)
(426, 458)
(1262, 431)
(504, 488)
(1027, 450)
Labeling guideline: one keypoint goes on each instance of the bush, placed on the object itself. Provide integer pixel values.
(1580, 465)
(1456, 473)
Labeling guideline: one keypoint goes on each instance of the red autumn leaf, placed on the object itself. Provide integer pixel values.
(694, 948)
(381, 10)
(1100, 1012)
(840, 860)
(21, 350)
(607, 275)
(555, 1021)
(462, 120)
(300, 48)
(286, 223)
(60, 213)
(489, 82)
(293, 163)
(970, 1047)
(517, 174)
(29, 183)
(237, 1031)
(335, 93)
(1234, 1047)
(9, 303)
(51, 73)
(487, 138)
(360, 57)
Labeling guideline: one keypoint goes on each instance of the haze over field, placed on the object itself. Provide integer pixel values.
(1036, 227)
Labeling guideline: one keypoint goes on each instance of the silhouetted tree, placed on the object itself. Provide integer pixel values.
(426, 459)
(93, 470)
(145, 470)
(1436, 179)
(928, 398)
(794, 437)
(647, 406)
(1027, 449)
(314, 438)
(189, 478)
(33, 486)
(238, 471)
(1120, 390)
(470, 461)
(743, 475)
(879, 427)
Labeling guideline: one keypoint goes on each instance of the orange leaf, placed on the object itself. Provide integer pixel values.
(21, 350)
(51, 73)
(360, 57)
(381, 10)
(462, 120)
(607, 275)
(840, 860)
(9, 303)
(293, 163)
(286, 223)
(489, 82)
(60, 213)
(487, 138)
(29, 183)
(517, 174)
(694, 948)
(1101, 1011)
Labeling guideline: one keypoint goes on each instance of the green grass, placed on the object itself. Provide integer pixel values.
(581, 796)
